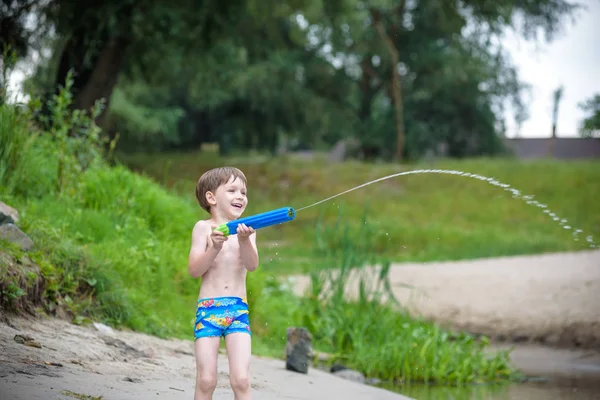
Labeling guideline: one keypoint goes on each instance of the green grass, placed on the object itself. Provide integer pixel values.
(425, 217)
(112, 245)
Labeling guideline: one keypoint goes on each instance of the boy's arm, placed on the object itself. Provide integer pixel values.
(201, 256)
(249, 251)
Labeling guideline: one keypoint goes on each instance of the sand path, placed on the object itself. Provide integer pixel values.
(126, 365)
(552, 298)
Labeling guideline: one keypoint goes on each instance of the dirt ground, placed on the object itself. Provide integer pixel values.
(552, 299)
(76, 361)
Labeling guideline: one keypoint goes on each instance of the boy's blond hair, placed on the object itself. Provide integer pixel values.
(212, 179)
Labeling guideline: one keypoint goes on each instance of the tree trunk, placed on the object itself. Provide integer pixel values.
(396, 88)
(93, 81)
(103, 77)
(368, 90)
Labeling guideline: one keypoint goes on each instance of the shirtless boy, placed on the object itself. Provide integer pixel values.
(222, 262)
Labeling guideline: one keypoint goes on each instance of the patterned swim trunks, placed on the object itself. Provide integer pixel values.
(221, 316)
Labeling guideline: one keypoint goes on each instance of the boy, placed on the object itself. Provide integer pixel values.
(222, 262)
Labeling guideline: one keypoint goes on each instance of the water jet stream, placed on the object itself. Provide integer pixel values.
(516, 194)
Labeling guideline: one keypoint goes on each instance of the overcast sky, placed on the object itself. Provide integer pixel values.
(571, 60)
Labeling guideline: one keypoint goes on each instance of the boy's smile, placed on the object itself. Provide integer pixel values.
(231, 198)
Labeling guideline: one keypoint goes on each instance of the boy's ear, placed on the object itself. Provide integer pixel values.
(210, 197)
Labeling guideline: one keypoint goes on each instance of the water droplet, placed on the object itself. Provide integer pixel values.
(492, 181)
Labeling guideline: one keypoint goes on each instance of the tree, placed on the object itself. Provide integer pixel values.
(404, 78)
(416, 53)
(252, 85)
(556, 97)
(590, 126)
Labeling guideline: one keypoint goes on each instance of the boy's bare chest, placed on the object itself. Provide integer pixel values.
(230, 250)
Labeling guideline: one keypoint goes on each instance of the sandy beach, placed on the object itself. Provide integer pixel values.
(75, 360)
(551, 299)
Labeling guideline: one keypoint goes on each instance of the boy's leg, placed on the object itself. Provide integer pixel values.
(207, 353)
(239, 349)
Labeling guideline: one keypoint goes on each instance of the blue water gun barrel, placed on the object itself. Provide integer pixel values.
(258, 221)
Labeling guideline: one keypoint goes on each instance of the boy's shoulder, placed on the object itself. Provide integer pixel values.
(203, 225)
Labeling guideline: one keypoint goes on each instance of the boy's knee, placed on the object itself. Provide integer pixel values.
(240, 382)
(206, 382)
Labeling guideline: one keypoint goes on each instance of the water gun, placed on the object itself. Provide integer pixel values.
(258, 221)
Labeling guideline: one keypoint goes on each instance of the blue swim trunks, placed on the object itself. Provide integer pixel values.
(220, 316)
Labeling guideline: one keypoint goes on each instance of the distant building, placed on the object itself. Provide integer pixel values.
(560, 148)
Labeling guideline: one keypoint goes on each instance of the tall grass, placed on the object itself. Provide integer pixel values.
(353, 314)
(112, 246)
(14, 145)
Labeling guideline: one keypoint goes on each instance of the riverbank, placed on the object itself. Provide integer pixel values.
(497, 295)
(549, 298)
(109, 364)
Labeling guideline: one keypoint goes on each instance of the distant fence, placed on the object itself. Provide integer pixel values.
(563, 148)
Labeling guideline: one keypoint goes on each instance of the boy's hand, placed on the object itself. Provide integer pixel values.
(217, 238)
(244, 231)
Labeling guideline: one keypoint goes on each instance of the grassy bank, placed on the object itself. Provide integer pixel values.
(424, 217)
(112, 246)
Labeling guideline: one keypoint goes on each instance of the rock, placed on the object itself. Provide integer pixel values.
(8, 215)
(350, 375)
(298, 349)
(12, 233)
(27, 341)
(104, 329)
(373, 381)
(337, 367)
(22, 338)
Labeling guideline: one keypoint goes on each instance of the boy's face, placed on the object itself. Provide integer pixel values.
(230, 198)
